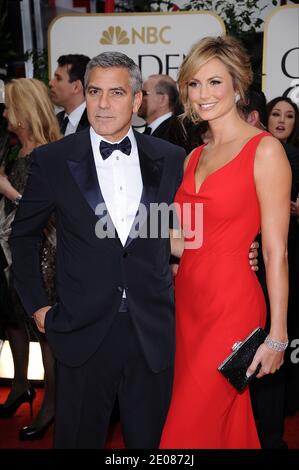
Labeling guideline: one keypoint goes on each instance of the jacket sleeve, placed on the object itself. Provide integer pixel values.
(27, 235)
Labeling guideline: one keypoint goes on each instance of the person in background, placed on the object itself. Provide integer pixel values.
(162, 111)
(185, 133)
(240, 183)
(159, 102)
(283, 123)
(67, 91)
(283, 120)
(30, 115)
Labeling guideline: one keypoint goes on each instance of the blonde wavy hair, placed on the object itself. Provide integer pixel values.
(231, 53)
(27, 101)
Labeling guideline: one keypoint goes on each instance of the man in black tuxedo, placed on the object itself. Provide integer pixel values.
(67, 91)
(112, 329)
(159, 104)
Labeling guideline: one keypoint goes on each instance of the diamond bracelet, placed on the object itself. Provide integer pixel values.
(276, 345)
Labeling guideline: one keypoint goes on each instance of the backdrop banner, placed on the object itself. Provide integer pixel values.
(281, 53)
(157, 42)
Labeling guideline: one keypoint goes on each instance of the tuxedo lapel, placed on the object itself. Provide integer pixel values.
(83, 123)
(151, 169)
(84, 173)
(83, 170)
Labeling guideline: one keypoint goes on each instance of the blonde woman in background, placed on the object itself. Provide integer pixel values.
(30, 115)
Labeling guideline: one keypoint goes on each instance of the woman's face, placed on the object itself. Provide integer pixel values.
(211, 91)
(281, 120)
(10, 127)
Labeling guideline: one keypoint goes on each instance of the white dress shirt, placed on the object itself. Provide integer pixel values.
(74, 119)
(120, 181)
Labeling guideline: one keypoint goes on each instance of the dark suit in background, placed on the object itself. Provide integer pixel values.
(162, 131)
(83, 123)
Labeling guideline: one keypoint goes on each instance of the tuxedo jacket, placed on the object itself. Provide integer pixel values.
(83, 123)
(91, 272)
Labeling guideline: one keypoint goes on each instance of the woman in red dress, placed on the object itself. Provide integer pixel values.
(238, 183)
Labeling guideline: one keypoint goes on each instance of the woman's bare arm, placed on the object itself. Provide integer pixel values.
(273, 184)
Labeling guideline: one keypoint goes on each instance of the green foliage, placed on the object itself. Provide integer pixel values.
(239, 16)
(40, 63)
(158, 5)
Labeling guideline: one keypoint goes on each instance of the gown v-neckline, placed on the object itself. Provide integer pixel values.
(221, 167)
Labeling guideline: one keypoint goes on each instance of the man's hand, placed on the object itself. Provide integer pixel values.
(39, 318)
(253, 254)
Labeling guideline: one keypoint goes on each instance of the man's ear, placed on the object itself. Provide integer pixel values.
(137, 100)
(253, 118)
(164, 100)
(77, 87)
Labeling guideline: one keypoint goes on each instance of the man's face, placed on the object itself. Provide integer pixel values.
(110, 102)
(61, 89)
(150, 108)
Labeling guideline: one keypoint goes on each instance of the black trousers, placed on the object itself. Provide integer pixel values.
(268, 393)
(86, 394)
(267, 396)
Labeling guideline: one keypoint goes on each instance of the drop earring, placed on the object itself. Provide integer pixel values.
(237, 97)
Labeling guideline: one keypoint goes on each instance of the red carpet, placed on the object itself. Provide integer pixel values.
(9, 429)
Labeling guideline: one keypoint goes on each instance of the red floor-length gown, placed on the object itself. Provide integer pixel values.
(218, 302)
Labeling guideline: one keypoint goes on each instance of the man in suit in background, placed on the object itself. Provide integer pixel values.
(112, 330)
(159, 104)
(67, 91)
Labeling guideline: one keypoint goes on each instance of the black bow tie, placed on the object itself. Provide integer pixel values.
(106, 148)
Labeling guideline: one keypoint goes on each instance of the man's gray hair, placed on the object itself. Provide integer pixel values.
(107, 60)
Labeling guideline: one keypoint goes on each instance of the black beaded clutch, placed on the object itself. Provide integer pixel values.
(234, 367)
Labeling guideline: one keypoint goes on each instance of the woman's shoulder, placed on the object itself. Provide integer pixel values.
(259, 142)
(270, 159)
(269, 146)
